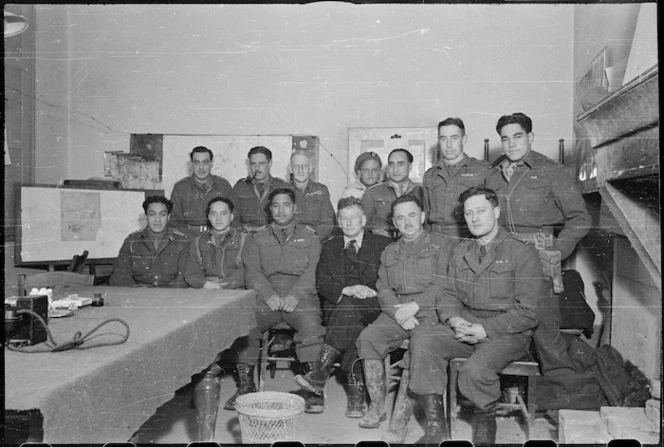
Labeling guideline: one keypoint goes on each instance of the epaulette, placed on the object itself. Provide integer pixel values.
(498, 162)
(135, 233)
(310, 228)
(179, 233)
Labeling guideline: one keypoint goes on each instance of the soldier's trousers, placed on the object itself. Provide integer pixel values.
(382, 337)
(345, 323)
(305, 319)
(550, 344)
(432, 349)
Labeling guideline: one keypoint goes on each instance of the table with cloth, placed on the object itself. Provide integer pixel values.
(105, 394)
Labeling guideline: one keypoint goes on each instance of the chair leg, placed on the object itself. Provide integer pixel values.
(264, 352)
(452, 406)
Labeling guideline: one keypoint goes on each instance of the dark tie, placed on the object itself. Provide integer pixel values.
(285, 234)
(482, 252)
(351, 250)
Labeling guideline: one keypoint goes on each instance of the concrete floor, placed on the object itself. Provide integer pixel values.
(175, 421)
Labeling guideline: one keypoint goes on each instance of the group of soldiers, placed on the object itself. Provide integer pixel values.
(452, 265)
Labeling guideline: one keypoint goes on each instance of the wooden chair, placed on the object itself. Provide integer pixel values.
(527, 368)
(266, 359)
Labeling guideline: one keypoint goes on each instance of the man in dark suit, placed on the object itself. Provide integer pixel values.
(346, 281)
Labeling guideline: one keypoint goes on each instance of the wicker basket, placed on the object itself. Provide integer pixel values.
(268, 416)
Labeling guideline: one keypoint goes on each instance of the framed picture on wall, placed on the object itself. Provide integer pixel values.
(595, 77)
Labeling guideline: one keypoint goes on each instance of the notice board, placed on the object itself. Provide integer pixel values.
(58, 222)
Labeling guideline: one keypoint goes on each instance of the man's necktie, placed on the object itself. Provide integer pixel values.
(508, 171)
(482, 252)
(284, 234)
(351, 249)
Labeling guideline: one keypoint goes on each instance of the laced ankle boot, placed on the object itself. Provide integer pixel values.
(436, 430)
(314, 381)
(374, 372)
(246, 385)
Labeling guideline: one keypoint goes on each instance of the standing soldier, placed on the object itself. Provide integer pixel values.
(368, 170)
(249, 194)
(312, 199)
(454, 173)
(378, 199)
(542, 206)
(191, 194)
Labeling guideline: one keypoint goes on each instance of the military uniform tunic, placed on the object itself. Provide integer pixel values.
(501, 293)
(314, 208)
(540, 193)
(408, 272)
(217, 260)
(190, 199)
(377, 202)
(442, 187)
(279, 265)
(250, 204)
(138, 262)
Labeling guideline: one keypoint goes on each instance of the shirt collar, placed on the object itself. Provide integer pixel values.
(358, 240)
(409, 185)
(462, 162)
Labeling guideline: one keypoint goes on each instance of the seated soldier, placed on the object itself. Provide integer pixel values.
(378, 199)
(156, 256)
(488, 311)
(409, 278)
(346, 281)
(280, 261)
(312, 198)
(368, 170)
(216, 262)
(216, 256)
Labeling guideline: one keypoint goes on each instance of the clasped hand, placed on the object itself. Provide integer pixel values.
(405, 315)
(359, 291)
(287, 303)
(465, 331)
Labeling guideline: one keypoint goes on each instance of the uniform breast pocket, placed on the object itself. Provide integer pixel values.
(299, 254)
(501, 285)
(425, 264)
(538, 190)
(190, 201)
(439, 194)
(141, 264)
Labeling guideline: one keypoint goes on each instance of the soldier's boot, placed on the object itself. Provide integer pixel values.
(355, 393)
(245, 383)
(401, 414)
(314, 403)
(436, 430)
(314, 381)
(484, 427)
(374, 372)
